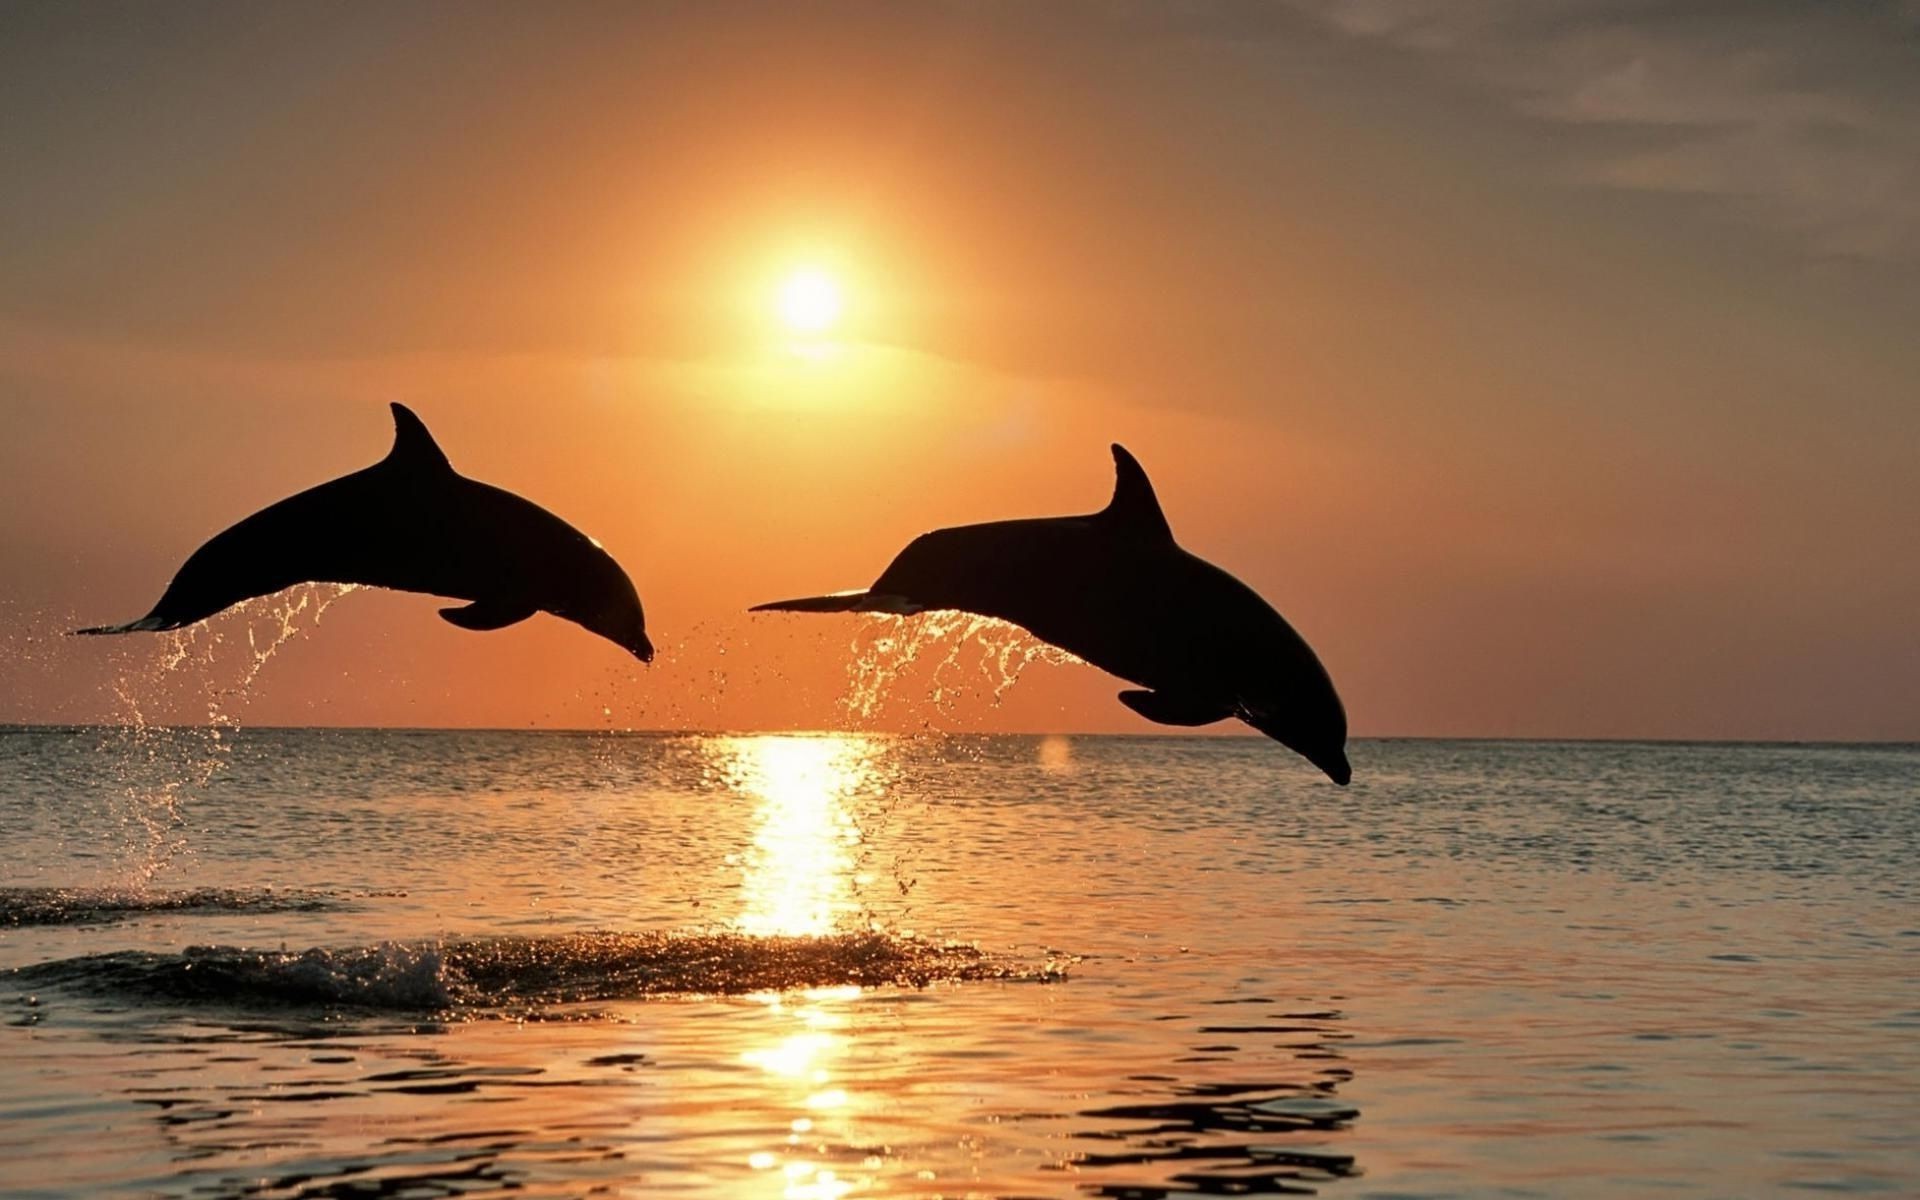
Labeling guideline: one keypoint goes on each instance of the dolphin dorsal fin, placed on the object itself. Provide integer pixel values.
(413, 446)
(1134, 503)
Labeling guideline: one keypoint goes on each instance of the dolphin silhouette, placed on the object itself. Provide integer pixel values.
(1115, 589)
(412, 523)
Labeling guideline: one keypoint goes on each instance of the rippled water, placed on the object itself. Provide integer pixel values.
(325, 964)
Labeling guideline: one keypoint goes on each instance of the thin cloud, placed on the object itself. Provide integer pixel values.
(1804, 117)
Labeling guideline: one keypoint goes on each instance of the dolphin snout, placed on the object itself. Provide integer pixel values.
(1336, 766)
(641, 647)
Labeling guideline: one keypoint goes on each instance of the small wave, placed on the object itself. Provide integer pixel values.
(94, 906)
(509, 974)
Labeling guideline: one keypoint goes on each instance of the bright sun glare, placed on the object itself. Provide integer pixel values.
(810, 301)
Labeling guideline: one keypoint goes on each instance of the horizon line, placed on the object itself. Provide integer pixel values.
(29, 726)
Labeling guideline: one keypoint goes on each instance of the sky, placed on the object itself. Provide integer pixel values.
(1550, 365)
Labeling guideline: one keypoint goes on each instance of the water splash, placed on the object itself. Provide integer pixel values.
(513, 976)
(29, 906)
(970, 655)
(158, 763)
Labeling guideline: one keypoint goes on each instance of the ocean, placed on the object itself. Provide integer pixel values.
(329, 963)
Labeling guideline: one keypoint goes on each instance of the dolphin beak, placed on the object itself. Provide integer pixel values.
(1336, 767)
(642, 648)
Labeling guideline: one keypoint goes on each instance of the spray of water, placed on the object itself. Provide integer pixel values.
(966, 656)
(970, 655)
(159, 764)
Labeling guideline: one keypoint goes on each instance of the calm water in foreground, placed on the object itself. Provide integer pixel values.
(320, 964)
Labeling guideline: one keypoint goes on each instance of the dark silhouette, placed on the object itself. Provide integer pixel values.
(412, 523)
(1115, 589)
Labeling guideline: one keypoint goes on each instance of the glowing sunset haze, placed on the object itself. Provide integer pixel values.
(1553, 377)
(1042, 598)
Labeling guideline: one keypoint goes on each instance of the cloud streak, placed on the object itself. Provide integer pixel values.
(1802, 117)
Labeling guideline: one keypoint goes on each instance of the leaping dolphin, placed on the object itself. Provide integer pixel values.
(1115, 589)
(412, 523)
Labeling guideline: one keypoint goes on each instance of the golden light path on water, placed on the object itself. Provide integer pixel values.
(800, 879)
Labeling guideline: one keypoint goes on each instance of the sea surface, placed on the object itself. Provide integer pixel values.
(306, 963)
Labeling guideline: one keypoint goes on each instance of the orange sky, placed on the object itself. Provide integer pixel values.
(1566, 399)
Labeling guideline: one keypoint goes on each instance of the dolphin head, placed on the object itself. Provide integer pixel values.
(1284, 691)
(1312, 725)
(599, 597)
(1334, 763)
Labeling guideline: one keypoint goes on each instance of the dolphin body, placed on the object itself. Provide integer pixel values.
(1115, 589)
(412, 523)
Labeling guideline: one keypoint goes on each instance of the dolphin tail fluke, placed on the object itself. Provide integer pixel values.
(855, 601)
(833, 602)
(146, 624)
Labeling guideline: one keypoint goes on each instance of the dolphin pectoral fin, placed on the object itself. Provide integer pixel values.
(483, 615)
(1164, 709)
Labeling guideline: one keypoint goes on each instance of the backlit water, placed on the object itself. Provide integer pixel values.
(457, 963)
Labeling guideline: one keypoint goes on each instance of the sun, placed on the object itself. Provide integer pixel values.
(809, 301)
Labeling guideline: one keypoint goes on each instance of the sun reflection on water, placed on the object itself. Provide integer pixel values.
(799, 877)
(800, 1065)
